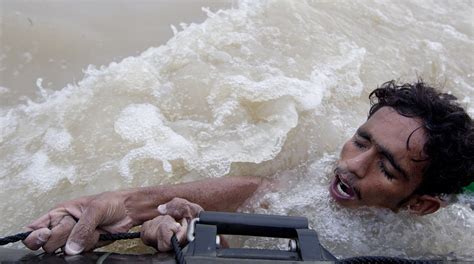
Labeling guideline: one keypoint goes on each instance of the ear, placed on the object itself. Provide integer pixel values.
(424, 204)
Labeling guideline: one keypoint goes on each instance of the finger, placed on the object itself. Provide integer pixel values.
(59, 234)
(195, 209)
(158, 232)
(153, 230)
(187, 210)
(173, 208)
(162, 209)
(84, 234)
(179, 208)
(43, 221)
(82, 242)
(181, 234)
(166, 231)
(37, 238)
(148, 233)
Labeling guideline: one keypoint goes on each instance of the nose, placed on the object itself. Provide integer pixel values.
(360, 163)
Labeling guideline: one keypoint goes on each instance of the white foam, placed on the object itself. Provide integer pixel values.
(139, 123)
(269, 89)
(4, 90)
(44, 175)
(8, 123)
(59, 140)
(144, 124)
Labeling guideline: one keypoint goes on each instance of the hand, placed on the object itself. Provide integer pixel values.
(179, 208)
(78, 223)
(158, 232)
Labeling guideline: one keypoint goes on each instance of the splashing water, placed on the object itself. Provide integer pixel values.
(269, 89)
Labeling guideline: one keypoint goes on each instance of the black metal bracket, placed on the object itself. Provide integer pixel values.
(211, 224)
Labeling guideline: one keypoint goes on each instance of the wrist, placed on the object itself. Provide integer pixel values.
(141, 204)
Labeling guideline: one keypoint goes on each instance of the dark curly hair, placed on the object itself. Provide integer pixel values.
(449, 131)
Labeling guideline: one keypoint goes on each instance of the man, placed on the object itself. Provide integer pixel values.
(416, 146)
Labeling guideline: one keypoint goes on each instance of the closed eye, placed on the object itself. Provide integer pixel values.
(358, 144)
(384, 170)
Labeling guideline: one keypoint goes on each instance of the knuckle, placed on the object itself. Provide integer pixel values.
(158, 218)
(177, 200)
(190, 208)
(83, 228)
(161, 226)
(197, 207)
(68, 222)
(167, 218)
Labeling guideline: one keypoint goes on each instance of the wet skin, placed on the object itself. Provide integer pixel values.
(377, 167)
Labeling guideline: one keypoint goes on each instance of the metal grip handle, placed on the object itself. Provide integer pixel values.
(202, 233)
(254, 224)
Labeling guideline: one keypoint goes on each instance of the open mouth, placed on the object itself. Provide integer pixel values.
(342, 190)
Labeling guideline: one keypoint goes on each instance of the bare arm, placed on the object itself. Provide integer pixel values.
(78, 223)
(222, 194)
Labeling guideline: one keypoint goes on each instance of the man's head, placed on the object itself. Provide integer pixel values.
(416, 145)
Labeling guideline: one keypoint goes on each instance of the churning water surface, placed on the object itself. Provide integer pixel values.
(261, 88)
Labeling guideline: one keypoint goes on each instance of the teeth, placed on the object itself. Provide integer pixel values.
(341, 191)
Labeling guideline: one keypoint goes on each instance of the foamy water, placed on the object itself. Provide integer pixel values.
(268, 89)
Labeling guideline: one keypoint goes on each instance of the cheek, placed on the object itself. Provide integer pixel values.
(384, 193)
(379, 186)
(381, 195)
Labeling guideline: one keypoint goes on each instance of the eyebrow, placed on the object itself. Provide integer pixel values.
(384, 151)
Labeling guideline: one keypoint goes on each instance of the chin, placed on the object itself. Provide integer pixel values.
(346, 204)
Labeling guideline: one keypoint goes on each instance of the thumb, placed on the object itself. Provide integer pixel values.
(84, 235)
(181, 234)
(179, 208)
(162, 209)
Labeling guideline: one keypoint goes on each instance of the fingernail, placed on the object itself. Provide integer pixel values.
(162, 209)
(72, 248)
(43, 237)
(178, 224)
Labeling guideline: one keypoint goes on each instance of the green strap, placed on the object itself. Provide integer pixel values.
(469, 188)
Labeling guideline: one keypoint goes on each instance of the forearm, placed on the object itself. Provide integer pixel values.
(222, 194)
(80, 219)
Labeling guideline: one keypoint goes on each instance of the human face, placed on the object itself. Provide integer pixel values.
(378, 166)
